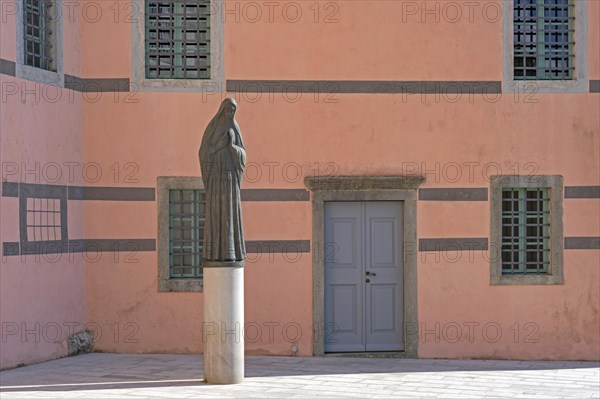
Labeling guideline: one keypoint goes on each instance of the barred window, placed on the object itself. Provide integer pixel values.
(525, 230)
(177, 39)
(544, 39)
(181, 203)
(39, 26)
(186, 227)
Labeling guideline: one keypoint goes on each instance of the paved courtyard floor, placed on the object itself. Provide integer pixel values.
(105, 375)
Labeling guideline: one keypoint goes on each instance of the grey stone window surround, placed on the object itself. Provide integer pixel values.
(366, 188)
(37, 74)
(579, 83)
(42, 192)
(139, 81)
(165, 283)
(554, 276)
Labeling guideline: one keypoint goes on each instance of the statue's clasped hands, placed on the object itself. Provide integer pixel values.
(225, 140)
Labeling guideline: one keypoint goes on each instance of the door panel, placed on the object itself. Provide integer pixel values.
(344, 292)
(363, 312)
(383, 241)
(384, 299)
(382, 318)
(342, 250)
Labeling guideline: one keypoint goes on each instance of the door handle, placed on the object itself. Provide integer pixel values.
(370, 274)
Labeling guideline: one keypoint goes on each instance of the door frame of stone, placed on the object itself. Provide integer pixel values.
(366, 188)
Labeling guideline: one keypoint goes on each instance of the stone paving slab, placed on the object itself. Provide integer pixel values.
(111, 376)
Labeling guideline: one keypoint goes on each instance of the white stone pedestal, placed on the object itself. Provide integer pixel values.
(223, 327)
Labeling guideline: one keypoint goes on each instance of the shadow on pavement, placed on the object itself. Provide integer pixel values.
(98, 371)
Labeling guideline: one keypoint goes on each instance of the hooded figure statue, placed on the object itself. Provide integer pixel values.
(222, 161)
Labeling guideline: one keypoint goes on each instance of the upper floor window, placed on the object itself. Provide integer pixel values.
(177, 44)
(544, 39)
(39, 41)
(39, 19)
(177, 39)
(545, 46)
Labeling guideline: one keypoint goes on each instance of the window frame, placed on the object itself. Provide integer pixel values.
(42, 192)
(165, 282)
(554, 275)
(28, 72)
(579, 82)
(215, 84)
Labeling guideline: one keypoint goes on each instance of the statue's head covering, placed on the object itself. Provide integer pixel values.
(223, 120)
(227, 104)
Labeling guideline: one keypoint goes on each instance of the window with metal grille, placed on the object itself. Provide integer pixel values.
(544, 39)
(39, 33)
(525, 230)
(177, 37)
(186, 228)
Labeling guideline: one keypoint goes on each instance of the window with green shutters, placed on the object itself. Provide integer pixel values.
(525, 230)
(39, 34)
(177, 39)
(186, 227)
(544, 39)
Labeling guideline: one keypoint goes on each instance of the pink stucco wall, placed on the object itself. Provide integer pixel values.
(42, 298)
(359, 134)
(449, 291)
(42, 294)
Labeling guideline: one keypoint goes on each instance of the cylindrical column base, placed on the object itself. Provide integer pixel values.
(223, 322)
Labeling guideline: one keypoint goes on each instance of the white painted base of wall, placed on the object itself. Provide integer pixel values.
(223, 325)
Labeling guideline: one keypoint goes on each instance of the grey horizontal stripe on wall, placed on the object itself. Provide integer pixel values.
(594, 86)
(10, 189)
(252, 194)
(111, 193)
(582, 242)
(121, 245)
(146, 244)
(83, 245)
(42, 190)
(582, 192)
(96, 85)
(452, 244)
(10, 248)
(278, 246)
(364, 86)
(7, 67)
(145, 193)
(82, 192)
(453, 194)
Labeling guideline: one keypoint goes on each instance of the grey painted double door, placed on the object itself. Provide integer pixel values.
(363, 276)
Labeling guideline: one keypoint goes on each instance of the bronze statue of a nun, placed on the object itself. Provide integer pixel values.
(222, 161)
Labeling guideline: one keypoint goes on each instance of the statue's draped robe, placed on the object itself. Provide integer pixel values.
(222, 172)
